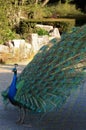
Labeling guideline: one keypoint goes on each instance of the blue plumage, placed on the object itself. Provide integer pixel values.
(12, 88)
(10, 93)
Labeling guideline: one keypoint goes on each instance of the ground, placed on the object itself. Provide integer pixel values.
(72, 116)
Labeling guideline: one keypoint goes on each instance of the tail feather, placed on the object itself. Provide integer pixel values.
(53, 73)
(5, 96)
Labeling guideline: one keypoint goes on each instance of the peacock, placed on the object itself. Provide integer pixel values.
(55, 71)
(10, 93)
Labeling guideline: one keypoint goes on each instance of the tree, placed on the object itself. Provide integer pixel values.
(45, 2)
(6, 19)
(36, 1)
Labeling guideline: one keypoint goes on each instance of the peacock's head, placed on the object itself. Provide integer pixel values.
(15, 69)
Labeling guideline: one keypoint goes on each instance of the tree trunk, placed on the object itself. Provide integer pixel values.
(36, 1)
(45, 2)
(21, 2)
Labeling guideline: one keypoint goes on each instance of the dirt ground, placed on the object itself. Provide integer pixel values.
(72, 116)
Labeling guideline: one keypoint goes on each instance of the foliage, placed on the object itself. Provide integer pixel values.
(65, 9)
(64, 24)
(7, 34)
(25, 28)
(10, 18)
(33, 11)
(68, 1)
(6, 20)
(41, 31)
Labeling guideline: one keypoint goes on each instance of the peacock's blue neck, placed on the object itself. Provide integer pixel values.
(12, 88)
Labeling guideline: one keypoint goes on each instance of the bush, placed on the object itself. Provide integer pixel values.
(35, 11)
(41, 31)
(61, 10)
(65, 26)
(27, 27)
(6, 35)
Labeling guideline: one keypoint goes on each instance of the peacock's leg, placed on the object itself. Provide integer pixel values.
(19, 119)
(23, 115)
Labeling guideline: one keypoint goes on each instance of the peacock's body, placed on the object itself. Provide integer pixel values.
(12, 88)
(9, 95)
(10, 92)
(49, 78)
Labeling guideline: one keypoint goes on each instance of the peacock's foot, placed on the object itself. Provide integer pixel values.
(20, 121)
(27, 125)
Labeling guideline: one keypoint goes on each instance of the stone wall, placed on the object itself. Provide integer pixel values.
(23, 50)
(38, 41)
